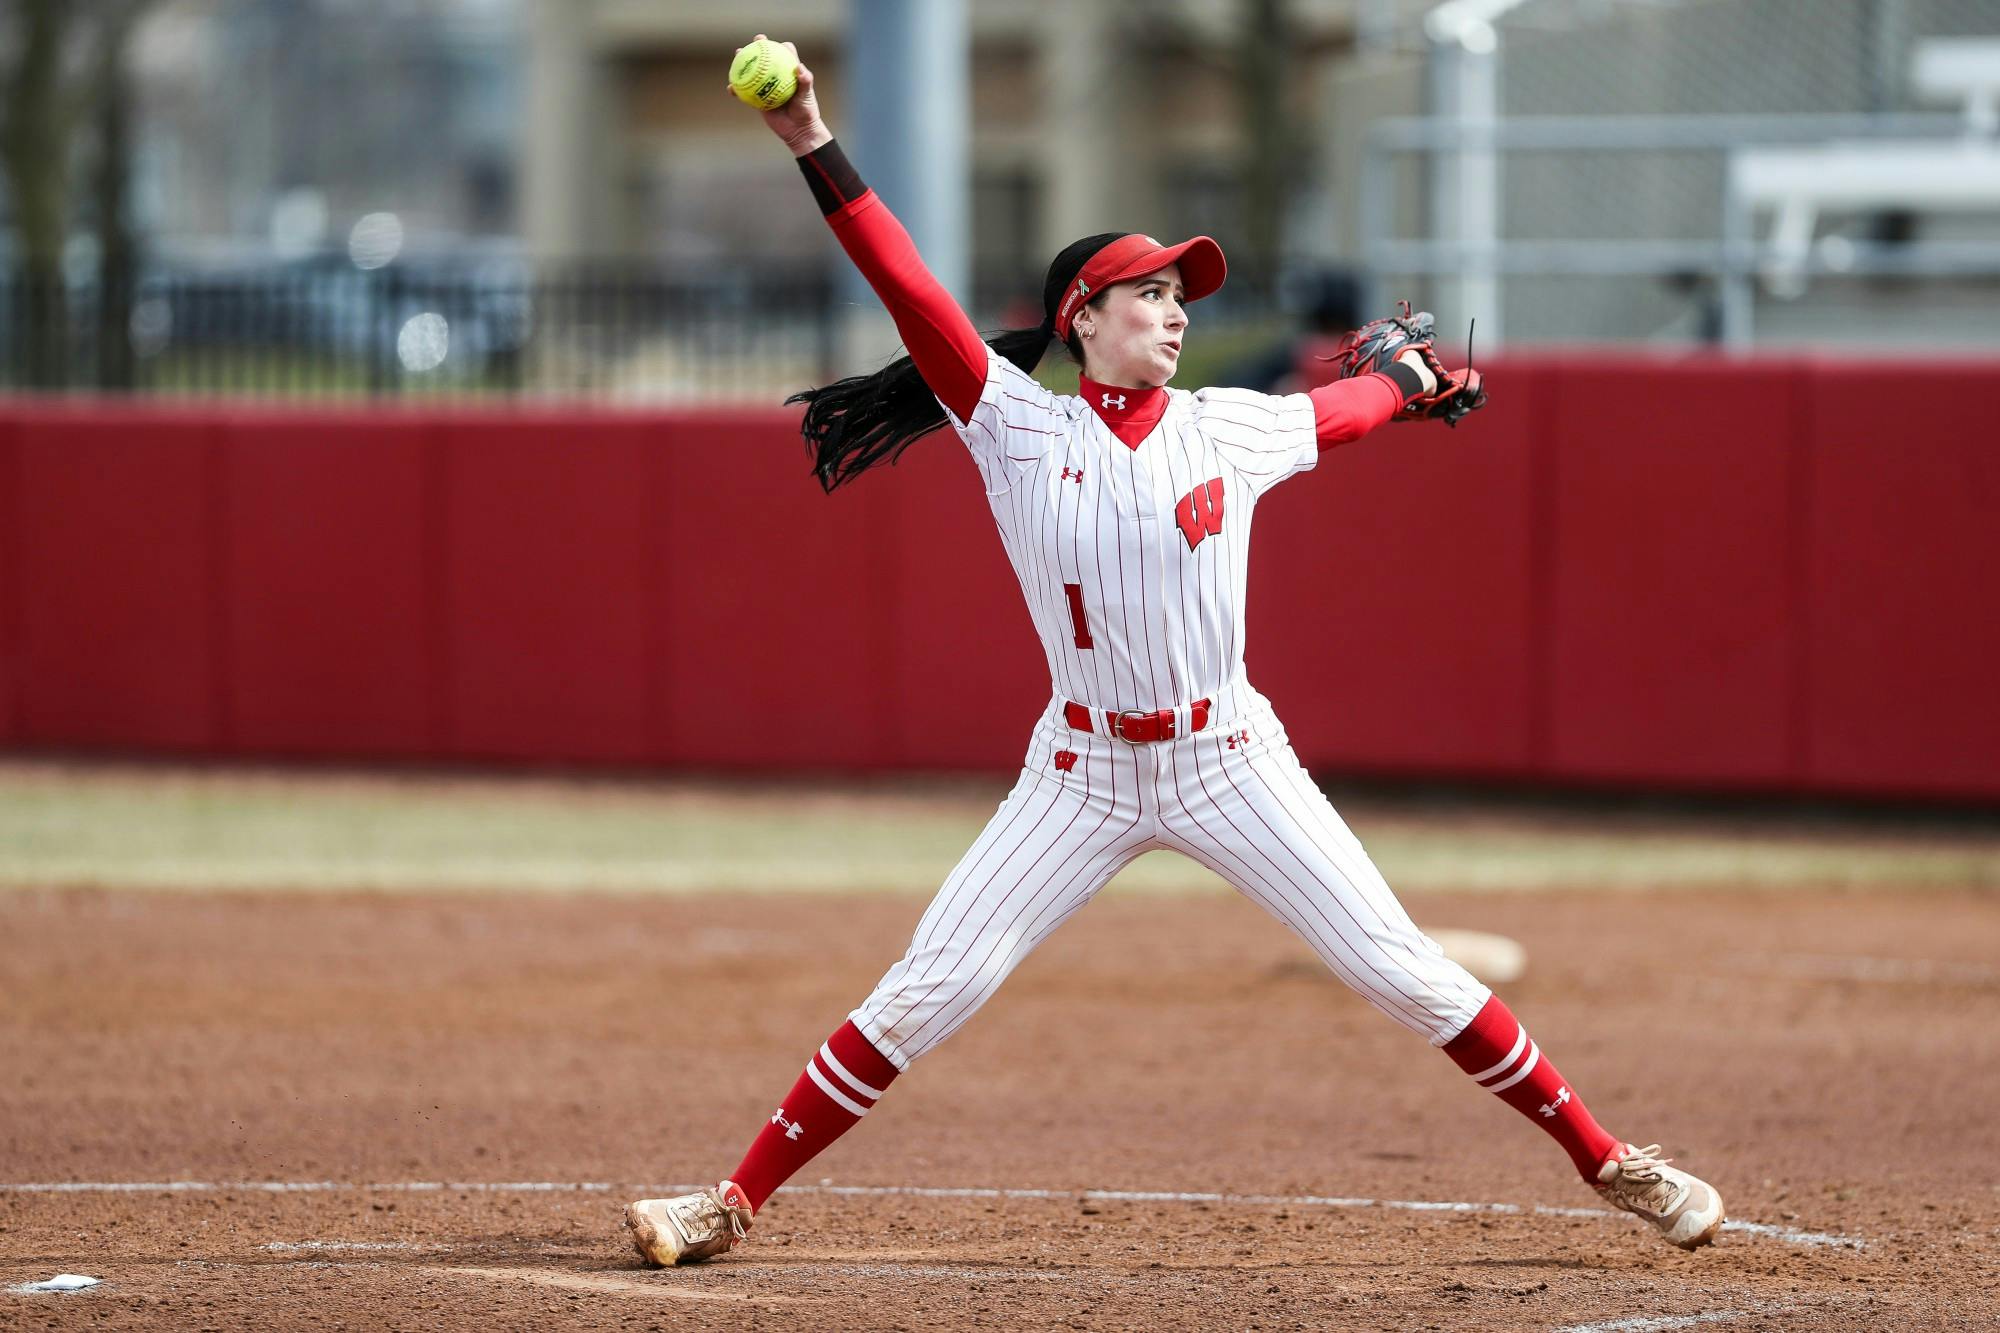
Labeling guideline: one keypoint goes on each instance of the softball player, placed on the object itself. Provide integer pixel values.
(1126, 511)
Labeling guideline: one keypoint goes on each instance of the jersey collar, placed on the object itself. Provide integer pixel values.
(1130, 413)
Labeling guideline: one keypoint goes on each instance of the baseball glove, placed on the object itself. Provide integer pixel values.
(1375, 346)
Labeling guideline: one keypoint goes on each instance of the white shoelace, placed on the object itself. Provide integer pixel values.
(739, 1225)
(1645, 1169)
(710, 1212)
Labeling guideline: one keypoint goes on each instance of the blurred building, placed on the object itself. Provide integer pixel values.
(598, 128)
(1260, 121)
(1087, 117)
(1563, 170)
(274, 125)
(1613, 141)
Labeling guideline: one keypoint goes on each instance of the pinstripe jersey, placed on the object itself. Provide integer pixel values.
(1134, 560)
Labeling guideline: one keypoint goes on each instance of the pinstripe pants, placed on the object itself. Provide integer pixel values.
(1232, 796)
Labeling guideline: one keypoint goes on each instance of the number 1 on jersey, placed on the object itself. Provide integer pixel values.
(1076, 620)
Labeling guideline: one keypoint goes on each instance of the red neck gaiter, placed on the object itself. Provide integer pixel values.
(1130, 413)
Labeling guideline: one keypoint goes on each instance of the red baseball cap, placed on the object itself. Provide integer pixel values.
(1202, 270)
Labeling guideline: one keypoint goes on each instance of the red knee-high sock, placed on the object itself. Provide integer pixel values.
(1497, 1051)
(841, 1081)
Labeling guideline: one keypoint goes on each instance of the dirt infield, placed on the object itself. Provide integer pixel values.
(465, 1090)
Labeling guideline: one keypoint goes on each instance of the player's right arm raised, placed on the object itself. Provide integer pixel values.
(941, 339)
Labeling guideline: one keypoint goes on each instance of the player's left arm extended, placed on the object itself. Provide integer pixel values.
(1400, 347)
(1348, 409)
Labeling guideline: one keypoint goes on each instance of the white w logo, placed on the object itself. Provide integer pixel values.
(1114, 400)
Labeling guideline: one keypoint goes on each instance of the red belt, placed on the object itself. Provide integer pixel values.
(1134, 726)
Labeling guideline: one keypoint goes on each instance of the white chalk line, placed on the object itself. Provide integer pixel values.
(1664, 1322)
(1789, 1235)
(352, 1246)
(1661, 1323)
(1793, 1235)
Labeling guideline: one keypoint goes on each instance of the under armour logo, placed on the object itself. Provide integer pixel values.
(1073, 474)
(1114, 400)
(1240, 738)
(792, 1127)
(1065, 760)
(1562, 1095)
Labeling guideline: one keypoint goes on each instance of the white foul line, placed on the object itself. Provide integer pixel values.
(345, 1246)
(1655, 1324)
(1789, 1235)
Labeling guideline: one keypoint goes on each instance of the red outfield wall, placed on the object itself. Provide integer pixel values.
(1776, 576)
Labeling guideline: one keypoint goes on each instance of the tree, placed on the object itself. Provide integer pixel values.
(117, 247)
(61, 64)
(1265, 65)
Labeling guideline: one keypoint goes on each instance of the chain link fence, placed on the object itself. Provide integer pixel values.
(1612, 132)
(616, 331)
(1609, 136)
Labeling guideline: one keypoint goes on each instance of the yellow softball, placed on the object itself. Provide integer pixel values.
(764, 74)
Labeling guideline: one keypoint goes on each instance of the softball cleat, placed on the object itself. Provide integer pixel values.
(690, 1228)
(1685, 1208)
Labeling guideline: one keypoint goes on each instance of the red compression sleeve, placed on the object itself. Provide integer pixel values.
(1348, 409)
(939, 336)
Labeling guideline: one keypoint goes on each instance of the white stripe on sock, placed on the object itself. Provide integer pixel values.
(1527, 1067)
(826, 1055)
(1520, 1040)
(839, 1097)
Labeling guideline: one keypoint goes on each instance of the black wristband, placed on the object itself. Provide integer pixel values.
(834, 181)
(1407, 379)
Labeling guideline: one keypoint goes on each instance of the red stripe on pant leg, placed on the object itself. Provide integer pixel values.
(809, 1121)
(1542, 1094)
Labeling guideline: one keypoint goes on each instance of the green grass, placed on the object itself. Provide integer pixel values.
(260, 373)
(157, 827)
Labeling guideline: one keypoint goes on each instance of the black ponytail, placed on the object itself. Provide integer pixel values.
(855, 423)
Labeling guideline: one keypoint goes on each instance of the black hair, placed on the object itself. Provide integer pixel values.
(855, 423)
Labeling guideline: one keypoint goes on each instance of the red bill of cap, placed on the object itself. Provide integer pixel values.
(1202, 271)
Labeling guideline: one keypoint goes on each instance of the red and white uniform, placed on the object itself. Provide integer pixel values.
(1126, 514)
